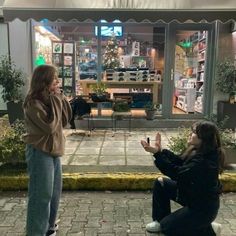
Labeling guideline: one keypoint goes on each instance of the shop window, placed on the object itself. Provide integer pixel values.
(130, 57)
(189, 72)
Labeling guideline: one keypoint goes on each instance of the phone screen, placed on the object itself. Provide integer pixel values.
(148, 140)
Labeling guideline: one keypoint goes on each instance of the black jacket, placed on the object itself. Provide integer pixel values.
(197, 178)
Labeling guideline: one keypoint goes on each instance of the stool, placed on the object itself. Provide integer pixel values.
(117, 114)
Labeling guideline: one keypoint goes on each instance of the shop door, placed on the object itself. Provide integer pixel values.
(189, 75)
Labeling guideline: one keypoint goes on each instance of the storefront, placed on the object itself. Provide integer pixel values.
(157, 55)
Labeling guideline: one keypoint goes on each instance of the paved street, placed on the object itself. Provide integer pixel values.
(101, 213)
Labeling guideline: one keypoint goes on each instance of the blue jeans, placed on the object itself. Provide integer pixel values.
(185, 221)
(44, 190)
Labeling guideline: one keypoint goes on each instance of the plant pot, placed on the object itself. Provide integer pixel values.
(230, 158)
(226, 109)
(150, 114)
(15, 111)
(99, 97)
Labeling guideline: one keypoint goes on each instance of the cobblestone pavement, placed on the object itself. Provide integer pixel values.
(101, 213)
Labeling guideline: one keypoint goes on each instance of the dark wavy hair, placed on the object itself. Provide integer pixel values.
(42, 78)
(210, 137)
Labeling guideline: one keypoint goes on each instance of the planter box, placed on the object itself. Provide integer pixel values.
(100, 98)
(226, 109)
(15, 111)
(230, 159)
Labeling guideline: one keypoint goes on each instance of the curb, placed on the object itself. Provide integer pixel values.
(105, 181)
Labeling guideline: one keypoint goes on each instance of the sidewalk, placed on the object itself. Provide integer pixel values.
(101, 214)
(106, 151)
(108, 161)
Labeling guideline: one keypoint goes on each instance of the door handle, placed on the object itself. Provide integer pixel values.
(172, 74)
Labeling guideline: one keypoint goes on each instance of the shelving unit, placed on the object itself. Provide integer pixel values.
(63, 57)
(202, 43)
(186, 99)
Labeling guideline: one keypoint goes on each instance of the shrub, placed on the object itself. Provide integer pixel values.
(12, 148)
(178, 144)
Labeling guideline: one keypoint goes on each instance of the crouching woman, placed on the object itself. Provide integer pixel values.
(193, 182)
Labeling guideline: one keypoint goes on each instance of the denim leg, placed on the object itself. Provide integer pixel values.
(40, 189)
(162, 194)
(57, 188)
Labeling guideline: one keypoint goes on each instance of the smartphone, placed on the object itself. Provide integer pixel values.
(148, 140)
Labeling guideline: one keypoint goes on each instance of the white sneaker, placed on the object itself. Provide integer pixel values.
(217, 228)
(153, 227)
(55, 228)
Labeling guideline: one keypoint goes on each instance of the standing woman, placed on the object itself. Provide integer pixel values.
(193, 182)
(47, 112)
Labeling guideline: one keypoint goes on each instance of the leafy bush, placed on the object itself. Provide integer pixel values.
(226, 76)
(178, 144)
(12, 148)
(11, 80)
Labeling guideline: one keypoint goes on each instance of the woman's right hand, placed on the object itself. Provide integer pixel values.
(158, 141)
(151, 149)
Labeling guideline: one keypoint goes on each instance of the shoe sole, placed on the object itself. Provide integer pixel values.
(153, 232)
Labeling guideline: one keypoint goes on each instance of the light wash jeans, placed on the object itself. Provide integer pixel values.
(44, 190)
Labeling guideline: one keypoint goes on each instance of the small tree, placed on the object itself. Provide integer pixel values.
(226, 77)
(111, 57)
(11, 79)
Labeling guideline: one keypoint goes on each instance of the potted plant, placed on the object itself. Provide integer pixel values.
(151, 110)
(11, 80)
(226, 83)
(99, 93)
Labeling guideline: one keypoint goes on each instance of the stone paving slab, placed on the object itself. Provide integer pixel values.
(104, 148)
(101, 213)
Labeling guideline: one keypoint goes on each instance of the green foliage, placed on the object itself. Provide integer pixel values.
(178, 143)
(12, 148)
(228, 139)
(226, 77)
(99, 88)
(227, 136)
(150, 106)
(11, 79)
(121, 106)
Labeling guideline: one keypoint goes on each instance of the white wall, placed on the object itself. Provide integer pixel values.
(20, 47)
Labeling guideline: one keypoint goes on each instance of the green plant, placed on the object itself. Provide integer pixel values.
(121, 106)
(11, 79)
(226, 77)
(99, 88)
(12, 148)
(178, 143)
(150, 106)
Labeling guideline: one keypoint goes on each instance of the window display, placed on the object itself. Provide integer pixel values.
(63, 58)
(189, 76)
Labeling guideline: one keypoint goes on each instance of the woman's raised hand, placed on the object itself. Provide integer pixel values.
(148, 148)
(158, 141)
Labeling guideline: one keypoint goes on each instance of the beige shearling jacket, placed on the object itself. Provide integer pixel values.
(44, 126)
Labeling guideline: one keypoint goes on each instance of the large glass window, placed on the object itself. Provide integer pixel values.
(127, 57)
(189, 72)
